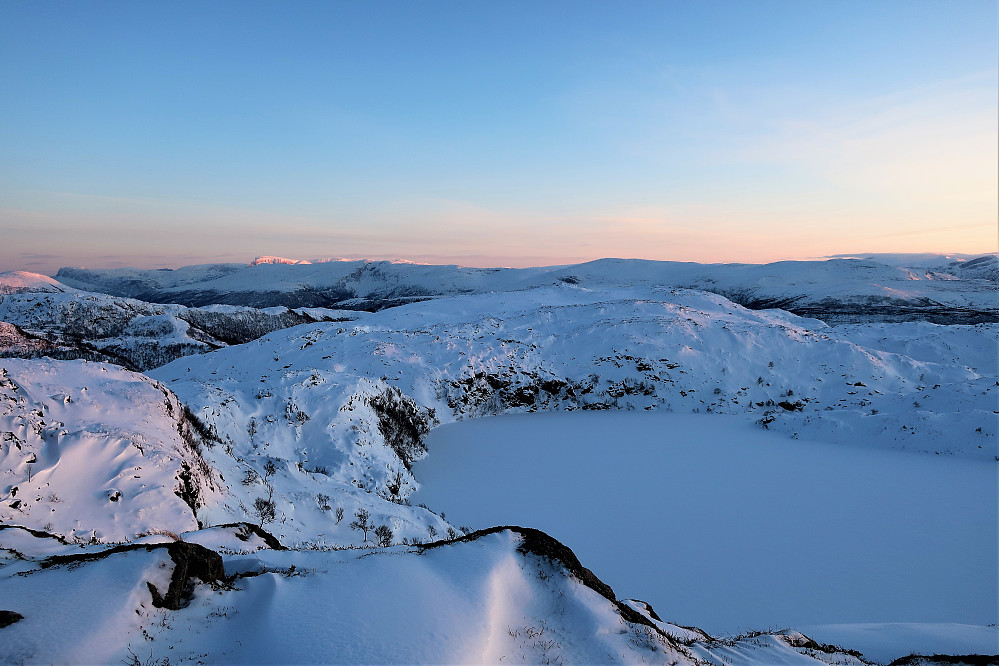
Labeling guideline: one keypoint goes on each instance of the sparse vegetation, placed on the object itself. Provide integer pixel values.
(403, 423)
(265, 509)
(383, 535)
(362, 522)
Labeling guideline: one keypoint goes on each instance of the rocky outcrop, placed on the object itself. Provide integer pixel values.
(537, 543)
(403, 424)
(8, 618)
(190, 561)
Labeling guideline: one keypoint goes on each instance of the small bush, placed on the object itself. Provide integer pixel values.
(265, 509)
(362, 522)
(383, 535)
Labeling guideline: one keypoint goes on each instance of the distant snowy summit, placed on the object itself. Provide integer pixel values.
(325, 260)
(946, 289)
(278, 260)
(21, 282)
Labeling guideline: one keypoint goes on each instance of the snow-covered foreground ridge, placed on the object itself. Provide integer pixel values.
(307, 427)
(496, 596)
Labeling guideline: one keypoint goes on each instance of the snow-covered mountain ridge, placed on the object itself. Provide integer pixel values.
(40, 317)
(938, 288)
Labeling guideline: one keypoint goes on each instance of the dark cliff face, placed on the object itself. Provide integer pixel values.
(877, 310)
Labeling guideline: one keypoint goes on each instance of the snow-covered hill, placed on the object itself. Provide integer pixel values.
(18, 282)
(42, 319)
(937, 288)
(93, 452)
(340, 410)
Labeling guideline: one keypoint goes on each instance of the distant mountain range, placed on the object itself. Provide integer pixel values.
(937, 288)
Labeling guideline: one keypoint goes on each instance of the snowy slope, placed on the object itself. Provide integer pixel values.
(37, 320)
(17, 282)
(502, 596)
(937, 288)
(96, 453)
(944, 266)
(348, 404)
(340, 410)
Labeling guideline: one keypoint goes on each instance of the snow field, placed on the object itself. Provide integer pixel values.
(481, 601)
(729, 528)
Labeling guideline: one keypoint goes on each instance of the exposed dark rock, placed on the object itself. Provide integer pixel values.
(187, 489)
(132, 334)
(877, 310)
(521, 396)
(947, 660)
(8, 618)
(553, 386)
(648, 609)
(190, 561)
(16, 342)
(249, 528)
(495, 381)
(403, 423)
(801, 641)
(535, 542)
(35, 533)
(191, 423)
(191, 480)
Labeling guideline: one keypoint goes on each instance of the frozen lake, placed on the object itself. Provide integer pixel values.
(720, 524)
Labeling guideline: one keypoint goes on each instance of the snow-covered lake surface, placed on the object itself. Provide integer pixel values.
(722, 525)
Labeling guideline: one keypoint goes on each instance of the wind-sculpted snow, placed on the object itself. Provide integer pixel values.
(93, 452)
(488, 598)
(937, 288)
(308, 398)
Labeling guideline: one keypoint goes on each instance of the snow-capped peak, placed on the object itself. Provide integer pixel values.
(277, 260)
(19, 282)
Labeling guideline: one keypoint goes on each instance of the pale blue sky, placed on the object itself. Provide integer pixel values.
(515, 133)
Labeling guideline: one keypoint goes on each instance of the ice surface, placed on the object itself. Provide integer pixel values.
(728, 527)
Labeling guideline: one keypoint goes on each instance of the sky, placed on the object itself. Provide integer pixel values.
(494, 133)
